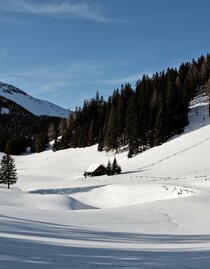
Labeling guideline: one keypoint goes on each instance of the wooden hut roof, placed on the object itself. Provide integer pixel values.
(93, 167)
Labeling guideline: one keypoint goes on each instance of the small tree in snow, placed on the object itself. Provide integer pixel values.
(109, 168)
(114, 168)
(8, 174)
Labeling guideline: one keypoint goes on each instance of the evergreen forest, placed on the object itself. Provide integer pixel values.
(140, 117)
(21, 130)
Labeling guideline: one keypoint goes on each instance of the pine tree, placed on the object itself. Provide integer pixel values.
(116, 169)
(62, 127)
(208, 92)
(8, 174)
(133, 141)
(52, 132)
(114, 166)
(100, 141)
(109, 168)
(91, 133)
(40, 143)
(111, 135)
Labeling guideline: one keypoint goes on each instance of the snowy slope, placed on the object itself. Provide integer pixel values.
(35, 106)
(155, 214)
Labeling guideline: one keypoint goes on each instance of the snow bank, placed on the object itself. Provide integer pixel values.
(112, 196)
(18, 199)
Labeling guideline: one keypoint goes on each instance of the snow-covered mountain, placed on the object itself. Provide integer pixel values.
(36, 106)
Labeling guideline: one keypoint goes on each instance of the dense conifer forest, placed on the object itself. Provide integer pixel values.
(149, 114)
(20, 130)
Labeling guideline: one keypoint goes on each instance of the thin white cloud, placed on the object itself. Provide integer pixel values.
(63, 81)
(53, 78)
(60, 9)
(50, 78)
(70, 71)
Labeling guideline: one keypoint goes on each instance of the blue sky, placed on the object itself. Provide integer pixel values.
(65, 50)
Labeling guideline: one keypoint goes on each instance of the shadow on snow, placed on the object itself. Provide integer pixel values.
(86, 248)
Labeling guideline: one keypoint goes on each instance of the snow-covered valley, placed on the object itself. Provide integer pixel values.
(155, 214)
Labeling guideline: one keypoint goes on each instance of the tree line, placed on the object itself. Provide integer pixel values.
(140, 117)
(146, 116)
(20, 129)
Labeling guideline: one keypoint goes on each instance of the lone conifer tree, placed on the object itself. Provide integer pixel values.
(8, 174)
(116, 169)
(109, 168)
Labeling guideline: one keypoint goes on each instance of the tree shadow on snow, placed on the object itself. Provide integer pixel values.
(45, 245)
(20, 253)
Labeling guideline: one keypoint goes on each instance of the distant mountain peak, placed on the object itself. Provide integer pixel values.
(34, 105)
(7, 88)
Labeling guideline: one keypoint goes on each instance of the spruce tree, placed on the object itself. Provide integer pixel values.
(208, 92)
(109, 168)
(8, 174)
(91, 133)
(116, 169)
(111, 135)
(52, 132)
(40, 143)
(100, 141)
(62, 127)
(114, 166)
(133, 141)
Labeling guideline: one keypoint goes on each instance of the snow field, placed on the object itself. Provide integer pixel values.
(155, 214)
(112, 196)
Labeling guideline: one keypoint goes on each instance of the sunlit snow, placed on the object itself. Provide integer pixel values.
(35, 106)
(156, 214)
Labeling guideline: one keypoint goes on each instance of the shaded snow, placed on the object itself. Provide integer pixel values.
(155, 214)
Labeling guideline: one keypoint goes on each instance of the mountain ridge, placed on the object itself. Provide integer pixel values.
(34, 105)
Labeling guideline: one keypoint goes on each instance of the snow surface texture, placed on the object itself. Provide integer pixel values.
(35, 106)
(156, 214)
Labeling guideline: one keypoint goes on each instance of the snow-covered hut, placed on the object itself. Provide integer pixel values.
(95, 170)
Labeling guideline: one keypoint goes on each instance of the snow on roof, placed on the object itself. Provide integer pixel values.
(93, 167)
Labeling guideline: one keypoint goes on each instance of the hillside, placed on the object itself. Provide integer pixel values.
(139, 118)
(154, 215)
(142, 117)
(26, 122)
(36, 106)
